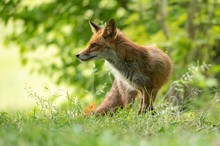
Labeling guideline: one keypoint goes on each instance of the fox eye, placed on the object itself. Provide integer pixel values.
(93, 45)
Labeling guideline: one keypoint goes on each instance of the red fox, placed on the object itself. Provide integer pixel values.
(137, 69)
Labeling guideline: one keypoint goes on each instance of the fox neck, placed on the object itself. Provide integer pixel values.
(123, 61)
(123, 50)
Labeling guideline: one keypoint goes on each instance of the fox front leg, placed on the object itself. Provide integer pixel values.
(112, 101)
(128, 95)
(148, 97)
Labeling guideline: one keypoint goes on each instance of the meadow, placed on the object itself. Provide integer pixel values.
(51, 125)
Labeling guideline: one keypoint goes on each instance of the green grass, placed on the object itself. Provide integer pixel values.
(49, 125)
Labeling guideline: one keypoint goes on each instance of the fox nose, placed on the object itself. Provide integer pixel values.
(77, 55)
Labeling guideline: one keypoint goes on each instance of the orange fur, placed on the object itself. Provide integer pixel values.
(137, 69)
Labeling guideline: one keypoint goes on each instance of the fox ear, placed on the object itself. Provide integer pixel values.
(110, 29)
(95, 28)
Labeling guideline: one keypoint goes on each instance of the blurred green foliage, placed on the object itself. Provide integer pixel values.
(49, 34)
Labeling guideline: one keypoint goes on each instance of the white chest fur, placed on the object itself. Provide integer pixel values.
(118, 75)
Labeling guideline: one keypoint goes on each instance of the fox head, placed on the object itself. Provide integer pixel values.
(101, 43)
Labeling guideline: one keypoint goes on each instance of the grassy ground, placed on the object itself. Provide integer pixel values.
(49, 125)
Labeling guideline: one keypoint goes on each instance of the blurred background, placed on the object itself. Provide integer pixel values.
(39, 40)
